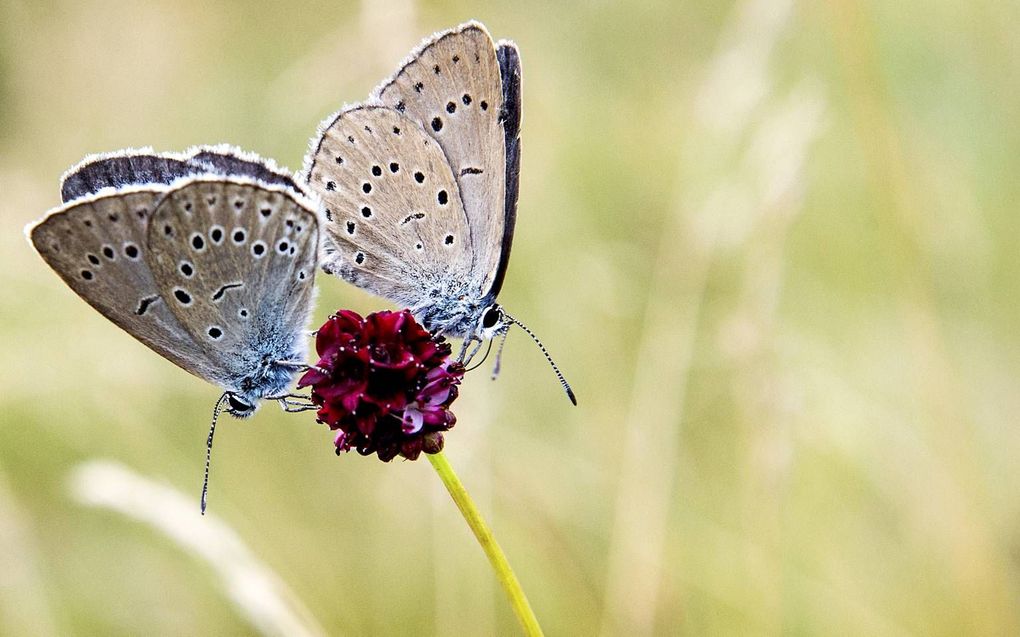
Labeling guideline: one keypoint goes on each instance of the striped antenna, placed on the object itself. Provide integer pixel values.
(559, 375)
(208, 447)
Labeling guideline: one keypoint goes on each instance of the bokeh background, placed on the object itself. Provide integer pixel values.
(774, 245)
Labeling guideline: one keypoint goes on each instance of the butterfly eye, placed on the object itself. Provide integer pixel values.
(491, 317)
(237, 406)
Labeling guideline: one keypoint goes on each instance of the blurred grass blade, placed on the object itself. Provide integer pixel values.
(736, 84)
(257, 592)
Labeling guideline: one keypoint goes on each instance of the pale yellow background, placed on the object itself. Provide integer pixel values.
(773, 245)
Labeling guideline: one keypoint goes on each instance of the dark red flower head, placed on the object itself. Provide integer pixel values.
(384, 384)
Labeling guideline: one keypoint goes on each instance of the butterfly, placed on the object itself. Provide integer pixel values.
(420, 185)
(207, 257)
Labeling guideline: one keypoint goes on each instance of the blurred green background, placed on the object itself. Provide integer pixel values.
(773, 245)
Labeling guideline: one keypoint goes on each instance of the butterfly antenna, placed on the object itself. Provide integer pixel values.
(559, 375)
(499, 355)
(208, 448)
(479, 364)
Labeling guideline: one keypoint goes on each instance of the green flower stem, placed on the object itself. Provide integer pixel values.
(504, 573)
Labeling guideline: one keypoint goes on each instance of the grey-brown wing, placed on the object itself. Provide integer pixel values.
(395, 222)
(235, 262)
(451, 85)
(97, 245)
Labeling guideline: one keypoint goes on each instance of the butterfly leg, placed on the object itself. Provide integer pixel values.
(472, 343)
(499, 355)
(296, 396)
(301, 367)
(296, 409)
(294, 403)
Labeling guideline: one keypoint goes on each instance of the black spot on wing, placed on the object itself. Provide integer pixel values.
(145, 304)
(218, 294)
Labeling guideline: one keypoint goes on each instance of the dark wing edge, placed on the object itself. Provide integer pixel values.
(130, 167)
(510, 74)
(229, 161)
(143, 166)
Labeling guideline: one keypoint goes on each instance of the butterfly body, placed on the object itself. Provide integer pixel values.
(420, 182)
(206, 257)
(448, 306)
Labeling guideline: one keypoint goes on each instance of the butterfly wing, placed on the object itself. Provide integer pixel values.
(452, 87)
(97, 245)
(235, 261)
(396, 224)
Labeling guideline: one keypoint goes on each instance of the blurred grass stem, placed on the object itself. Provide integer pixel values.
(504, 573)
(258, 594)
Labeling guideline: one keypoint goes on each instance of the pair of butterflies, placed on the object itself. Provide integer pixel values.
(208, 257)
